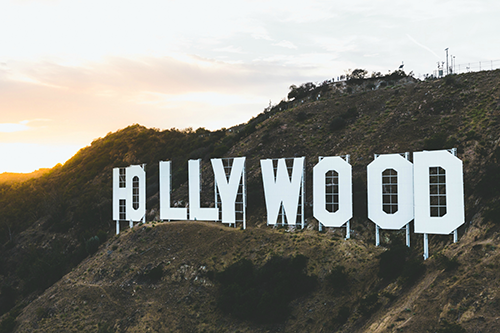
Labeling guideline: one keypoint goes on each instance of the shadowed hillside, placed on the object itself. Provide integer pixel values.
(56, 222)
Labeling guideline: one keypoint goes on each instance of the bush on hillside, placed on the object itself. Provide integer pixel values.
(343, 315)
(262, 294)
(337, 124)
(152, 275)
(338, 279)
(436, 141)
(447, 327)
(92, 244)
(369, 304)
(350, 113)
(400, 261)
(447, 263)
(301, 116)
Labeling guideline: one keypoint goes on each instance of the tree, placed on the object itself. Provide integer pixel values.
(358, 73)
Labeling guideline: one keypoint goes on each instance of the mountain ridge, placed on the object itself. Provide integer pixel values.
(49, 222)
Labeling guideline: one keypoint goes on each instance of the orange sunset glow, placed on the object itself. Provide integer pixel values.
(72, 71)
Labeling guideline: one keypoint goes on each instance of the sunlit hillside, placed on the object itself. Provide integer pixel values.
(62, 269)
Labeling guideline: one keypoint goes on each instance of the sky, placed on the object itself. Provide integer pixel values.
(72, 71)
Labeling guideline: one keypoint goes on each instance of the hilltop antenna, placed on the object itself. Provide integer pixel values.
(446, 49)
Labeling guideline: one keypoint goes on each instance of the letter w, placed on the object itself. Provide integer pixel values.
(280, 190)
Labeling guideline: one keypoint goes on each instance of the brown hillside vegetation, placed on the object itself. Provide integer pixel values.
(53, 280)
(109, 290)
(14, 177)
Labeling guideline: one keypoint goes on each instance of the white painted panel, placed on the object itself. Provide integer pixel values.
(404, 169)
(195, 211)
(118, 193)
(228, 190)
(138, 214)
(455, 215)
(280, 188)
(344, 170)
(166, 211)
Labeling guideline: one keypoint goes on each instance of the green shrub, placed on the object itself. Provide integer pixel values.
(102, 235)
(338, 279)
(92, 244)
(343, 315)
(301, 116)
(489, 186)
(436, 141)
(447, 263)
(412, 270)
(350, 113)
(369, 304)
(337, 124)
(153, 275)
(104, 328)
(219, 151)
(400, 261)
(263, 294)
(451, 80)
(392, 261)
(7, 298)
(9, 322)
(447, 327)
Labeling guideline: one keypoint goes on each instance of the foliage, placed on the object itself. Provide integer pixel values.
(337, 124)
(447, 327)
(153, 275)
(338, 279)
(350, 113)
(492, 212)
(7, 298)
(447, 263)
(9, 322)
(369, 304)
(262, 294)
(436, 141)
(451, 80)
(343, 315)
(40, 268)
(219, 151)
(301, 91)
(489, 186)
(301, 116)
(392, 261)
(92, 244)
(399, 260)
(357, 74)
(413, 269)
(104, 328)
(307, 89)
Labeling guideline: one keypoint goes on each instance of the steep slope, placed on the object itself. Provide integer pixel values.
(49, 221)
(114, 291)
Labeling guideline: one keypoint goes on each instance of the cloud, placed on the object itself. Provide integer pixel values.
(27, 157)
(287, 44)
(89, 100)
(423, 46)
(10, 127)
(230, 49)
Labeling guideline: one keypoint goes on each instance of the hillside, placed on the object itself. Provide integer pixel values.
(112, 290)
(13, 177)
(50, 222)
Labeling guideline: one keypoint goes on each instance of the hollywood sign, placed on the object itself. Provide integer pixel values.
(428, 191)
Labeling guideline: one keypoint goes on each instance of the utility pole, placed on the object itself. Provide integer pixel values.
(446, 49)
